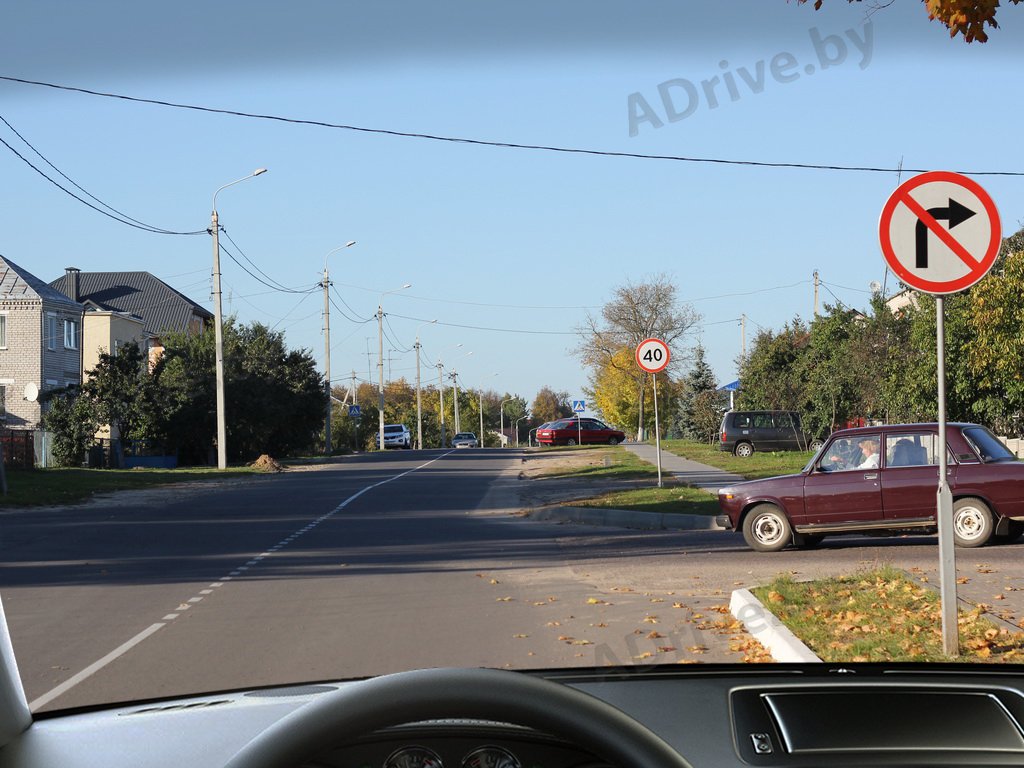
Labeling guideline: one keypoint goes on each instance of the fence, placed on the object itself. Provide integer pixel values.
(18, 447)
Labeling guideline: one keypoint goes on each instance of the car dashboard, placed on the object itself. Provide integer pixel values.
(778, 715)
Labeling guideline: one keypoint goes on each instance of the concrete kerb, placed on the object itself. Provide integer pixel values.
(764, 627)
(624, 518)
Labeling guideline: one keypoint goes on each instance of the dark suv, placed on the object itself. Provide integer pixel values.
(744, 432)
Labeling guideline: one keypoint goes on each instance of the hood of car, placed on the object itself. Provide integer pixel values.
(766, 486)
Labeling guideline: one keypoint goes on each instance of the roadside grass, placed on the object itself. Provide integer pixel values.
(600, 463)
(882, 615)
(674, 498)
(753, 468)
(38, 487)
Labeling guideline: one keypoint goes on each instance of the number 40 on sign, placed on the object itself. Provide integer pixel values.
(652, 355)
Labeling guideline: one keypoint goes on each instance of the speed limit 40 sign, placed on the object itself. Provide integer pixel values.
(652, 355)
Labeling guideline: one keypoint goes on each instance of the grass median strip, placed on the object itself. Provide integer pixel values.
(754, 467)
(882, 615)
(39, 487)
(595, 463)
(676, 499)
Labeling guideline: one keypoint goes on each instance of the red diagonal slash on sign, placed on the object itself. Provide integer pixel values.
(941, 232)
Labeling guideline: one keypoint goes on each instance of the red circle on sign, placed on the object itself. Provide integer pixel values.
(978, 269)
(657, 366)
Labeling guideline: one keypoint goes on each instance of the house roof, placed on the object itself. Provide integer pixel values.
(20, 284)
(161, 307)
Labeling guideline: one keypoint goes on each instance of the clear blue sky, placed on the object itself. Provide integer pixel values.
(476, 227)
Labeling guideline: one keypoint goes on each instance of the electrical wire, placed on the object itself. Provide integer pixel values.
(112, 212)
(483, 328)
(288, 314)
(487, 143)
(342, 300)
(280, 286)
(260, 280)
(350, 319)
(394, 336)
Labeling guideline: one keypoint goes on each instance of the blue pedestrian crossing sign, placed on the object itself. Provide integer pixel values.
(353, 411)
(579, 406)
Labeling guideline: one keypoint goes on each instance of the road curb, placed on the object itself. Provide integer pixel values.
(762, 624)
(625, 518)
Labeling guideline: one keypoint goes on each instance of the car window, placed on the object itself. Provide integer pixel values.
(784, 420)
(851, 453)
(911, 449)
(763, 421)
(741, 420)
(987, 445)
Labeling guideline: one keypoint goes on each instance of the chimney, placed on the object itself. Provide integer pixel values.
(71, 282)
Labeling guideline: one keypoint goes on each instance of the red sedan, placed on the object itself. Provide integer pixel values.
(579, 431)
(882, 480)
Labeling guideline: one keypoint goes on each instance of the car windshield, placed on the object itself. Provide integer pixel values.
(263, 263)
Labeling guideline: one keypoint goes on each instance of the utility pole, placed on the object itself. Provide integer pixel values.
(380, 371)
(455, 383)
(440, 389)
(419, 400)
(743, 336)
(327, 361)
(480, 441)
(817, 282)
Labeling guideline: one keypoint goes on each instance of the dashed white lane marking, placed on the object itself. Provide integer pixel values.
(95, 667)
(122, 649)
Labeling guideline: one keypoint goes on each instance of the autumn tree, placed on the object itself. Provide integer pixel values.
(550, 405)
(961, 17)
(636, 311)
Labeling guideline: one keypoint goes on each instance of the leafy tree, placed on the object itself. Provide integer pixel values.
(637, 311)
(123, 393)
(72, 420)
(549, 405)
(962, 17)
(613, 394)
(770, 373)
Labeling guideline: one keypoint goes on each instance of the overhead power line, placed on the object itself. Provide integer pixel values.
(110, 212)
(261, 280)
(483, 328)
(485, 142)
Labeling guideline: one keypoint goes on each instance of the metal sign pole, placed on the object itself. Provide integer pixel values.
(944, 502)
(657, 429)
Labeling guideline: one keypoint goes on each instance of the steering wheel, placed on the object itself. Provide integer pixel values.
(336, 718)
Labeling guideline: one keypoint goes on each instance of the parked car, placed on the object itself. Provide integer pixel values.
(883, 481)
(464, 440)
(744, 432)
(578, 431)
(396, 436)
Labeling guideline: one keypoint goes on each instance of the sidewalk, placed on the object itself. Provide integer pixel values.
(690, 472)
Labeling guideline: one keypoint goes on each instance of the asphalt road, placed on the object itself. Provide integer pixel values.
(375, 564)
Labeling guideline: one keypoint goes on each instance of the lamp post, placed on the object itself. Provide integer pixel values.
(501, 410)
(327, 348)
(440, 389)
(218, 320)
(380, 364)
(480, 441)
(419, 400)
(517, 427)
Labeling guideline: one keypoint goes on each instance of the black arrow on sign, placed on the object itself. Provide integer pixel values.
(954, 214)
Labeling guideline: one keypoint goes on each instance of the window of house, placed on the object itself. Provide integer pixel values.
(50, 333)
(70, 334)
(3, 331)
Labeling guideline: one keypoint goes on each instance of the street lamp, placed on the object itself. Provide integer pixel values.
(440, 388)
(327, 347)
(218, 321)
(380, 363)
(419, 401)
(480, 442)
(501, 409)
(517, 427)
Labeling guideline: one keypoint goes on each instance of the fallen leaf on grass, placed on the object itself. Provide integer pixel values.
(775, 597)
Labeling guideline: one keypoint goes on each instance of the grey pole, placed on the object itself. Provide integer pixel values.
(419, 400)
(380, 372)
(440, 389)
(480, 442)
(657, 429)
(944, 500)
(218, 320)
(517, 428)
(327, 362)
(218, 336)
(455, 383)
(501, 408)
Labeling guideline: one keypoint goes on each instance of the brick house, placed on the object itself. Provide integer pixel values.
(40, 343)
